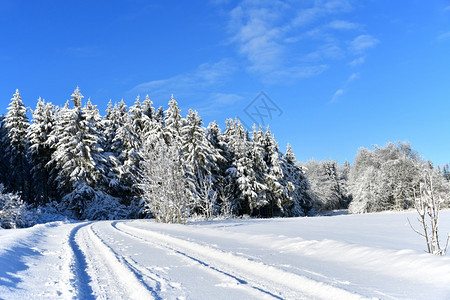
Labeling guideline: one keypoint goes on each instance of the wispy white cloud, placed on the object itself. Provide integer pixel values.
(358, 61)
(202, 87)
(326, 51)
(362, 43)
(336, 95)
(339, 92)
(279, 38)
(216, 103)
(205, 76)
(343, 25)
(320, 9)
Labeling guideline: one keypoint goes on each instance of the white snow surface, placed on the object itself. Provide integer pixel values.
(374, 256)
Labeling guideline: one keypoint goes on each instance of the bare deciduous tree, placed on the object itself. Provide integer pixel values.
(428, 204)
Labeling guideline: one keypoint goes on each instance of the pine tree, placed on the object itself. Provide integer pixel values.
(200, 159)
(216, 139)
(16, 124)
(273, 176)
(91, 115)
(109, 126)
(172, 124)
(239, 176)
(296, 187)
(76, 157)
(40, 150)
(140, 121)
(126, 145)
(4, 162)
(148, 108)
(160, 115)
(255, 170)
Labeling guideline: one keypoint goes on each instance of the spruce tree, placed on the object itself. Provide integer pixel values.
(40, 150)
(4, 162)
(273, 176)
(239, 175)
(126, 145)
(76, 157)
(296, 187)
(172, 124)
(148, 108)
(200, 159)
(16, 124)
(216, 139)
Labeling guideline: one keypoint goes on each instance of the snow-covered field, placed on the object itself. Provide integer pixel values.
(337, 257)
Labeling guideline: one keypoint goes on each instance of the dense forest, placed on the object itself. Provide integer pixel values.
(142, 162)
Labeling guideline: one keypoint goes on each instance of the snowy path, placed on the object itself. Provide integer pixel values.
(342, 257)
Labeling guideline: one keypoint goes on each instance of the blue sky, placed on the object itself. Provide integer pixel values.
(336, 75)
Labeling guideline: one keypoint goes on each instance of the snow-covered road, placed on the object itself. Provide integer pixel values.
(340, 257)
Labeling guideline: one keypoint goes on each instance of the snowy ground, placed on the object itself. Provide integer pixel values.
(338, 257)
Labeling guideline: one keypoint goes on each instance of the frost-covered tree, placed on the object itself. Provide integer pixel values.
(173, 122)
(4, 162)
(160, 115)
(273, 176)
(139, 118)
(200, 160)
(239, 174)
(76, 159)
(148, 109)
(326, 184)
(108, 126)
(384, 178)
(16, 124)
(13, 211)
(216, 139)
(255, 170)
(103, 163)
(126, 145)
(428, 202)
(165, 197)
(296, 187)
(40, 150)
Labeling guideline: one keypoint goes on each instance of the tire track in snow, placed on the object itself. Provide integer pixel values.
(257, 275)
(200, 262)
(81, 277)
(111, 277)
(140, 272)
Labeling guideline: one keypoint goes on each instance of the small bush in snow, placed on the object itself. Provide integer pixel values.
(13, 211)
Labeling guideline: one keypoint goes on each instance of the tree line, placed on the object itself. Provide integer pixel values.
(140, 161)
(144, 162)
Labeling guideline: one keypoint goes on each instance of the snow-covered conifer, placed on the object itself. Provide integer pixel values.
(274, 174)
(76, 156)
(126, 145)
(16, 124)
(148, 108)
(172, 124)
(40, 150)
(239, 175)
(200, 159)
(296, 187)
(160, 115)
(4, 161)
